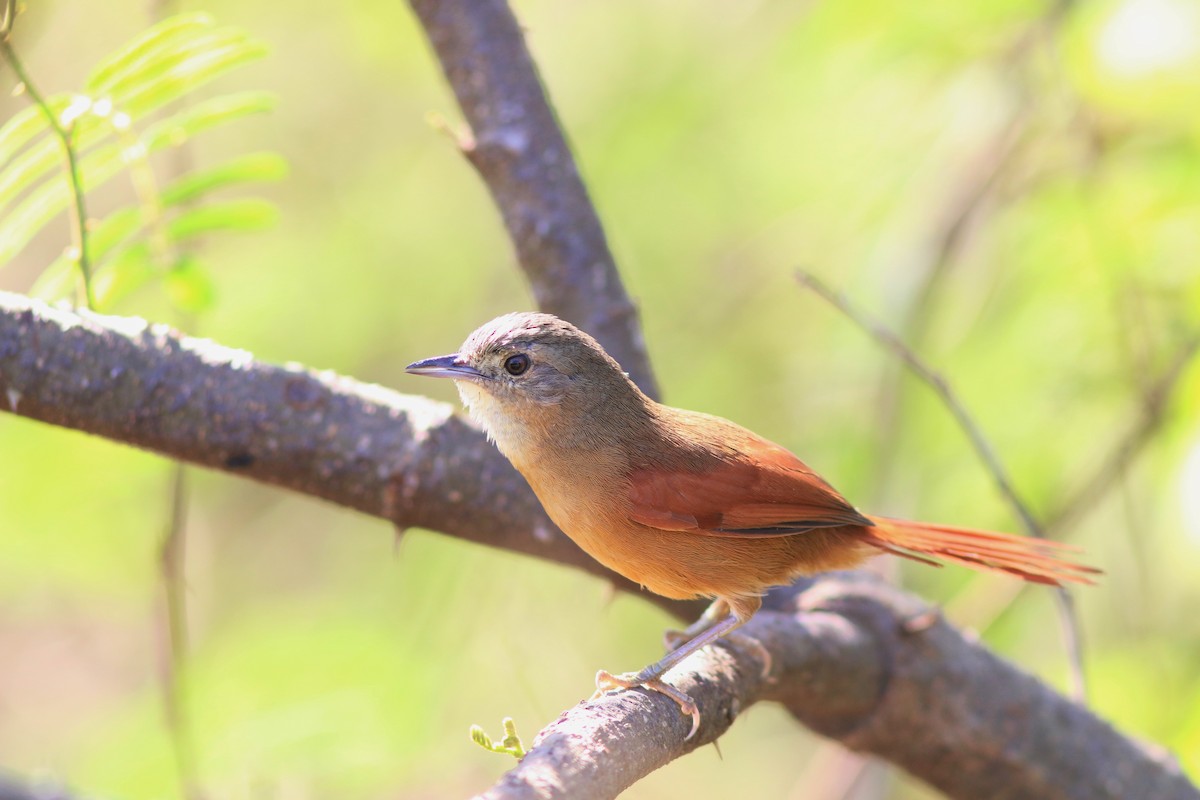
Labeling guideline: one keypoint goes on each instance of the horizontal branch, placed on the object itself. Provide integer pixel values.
(876, 669)
(409, 460)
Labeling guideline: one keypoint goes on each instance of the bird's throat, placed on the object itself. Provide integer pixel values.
(509, 432)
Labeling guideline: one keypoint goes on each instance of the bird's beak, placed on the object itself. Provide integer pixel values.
(444, 367)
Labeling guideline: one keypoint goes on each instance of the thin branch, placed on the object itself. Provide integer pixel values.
(176, 684)
(983, 449)
(965, 208)
(79, 217)
(1157, 396)
(846, 663)
(903, 353)
(521, 154)
(985, 604)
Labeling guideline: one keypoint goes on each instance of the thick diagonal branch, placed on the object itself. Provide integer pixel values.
(869, 666)
(522, 156)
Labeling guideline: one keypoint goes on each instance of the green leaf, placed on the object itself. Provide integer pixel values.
(190, 287)
(45, 156)
(29, 168)
(186, 72)
(19, 226)
(163, 64)
(192, 120)
(174, 60)
(130, 269)
(479, 736)
(25, 169)
(129, 59)
(113, 230)
(245, 214)
(51, 198)
(190, 71)
(243, 169)
(511, 744)
(58, 279)
(24, 126)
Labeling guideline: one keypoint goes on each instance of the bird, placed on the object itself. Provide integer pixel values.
(687, 504)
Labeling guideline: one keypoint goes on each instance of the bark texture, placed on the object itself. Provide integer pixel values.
(407, 459)
(876, 669)
(522, 156)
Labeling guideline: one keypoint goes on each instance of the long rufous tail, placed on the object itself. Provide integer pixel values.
(1036, 560)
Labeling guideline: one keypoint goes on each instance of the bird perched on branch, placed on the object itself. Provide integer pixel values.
(684, 503)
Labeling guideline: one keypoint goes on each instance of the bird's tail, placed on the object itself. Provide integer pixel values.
(1036, 560)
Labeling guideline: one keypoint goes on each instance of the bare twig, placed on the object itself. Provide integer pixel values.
(79, 231)
(890, 342)
(983, 449)
(985, 604)
(965, 208)
(176, 695)
(1156, 397)
(521, 154)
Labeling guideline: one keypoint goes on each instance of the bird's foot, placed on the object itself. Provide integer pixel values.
(607, 682)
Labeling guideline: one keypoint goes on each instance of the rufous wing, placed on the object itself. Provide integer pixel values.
(759, 489)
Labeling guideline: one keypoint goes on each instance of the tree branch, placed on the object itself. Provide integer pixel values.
(12, 788)
(930, 700)
(1069, 619)
(522, 156)
(406, 459)
(877, 670)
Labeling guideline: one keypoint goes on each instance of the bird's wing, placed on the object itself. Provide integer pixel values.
(758, 489)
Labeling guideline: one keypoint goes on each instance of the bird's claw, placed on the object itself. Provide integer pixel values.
(607, 682)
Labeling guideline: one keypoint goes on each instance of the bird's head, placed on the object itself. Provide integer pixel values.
(531, 373)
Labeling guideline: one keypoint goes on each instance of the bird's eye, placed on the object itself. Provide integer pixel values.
(516, 365)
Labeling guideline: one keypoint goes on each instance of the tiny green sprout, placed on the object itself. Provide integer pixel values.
(511, 743)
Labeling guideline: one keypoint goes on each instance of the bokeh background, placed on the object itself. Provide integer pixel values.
(1013, 184)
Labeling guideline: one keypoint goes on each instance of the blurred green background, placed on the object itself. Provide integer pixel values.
(725, 145)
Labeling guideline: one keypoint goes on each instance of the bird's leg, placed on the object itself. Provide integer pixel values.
(738, 611)
(717, 610)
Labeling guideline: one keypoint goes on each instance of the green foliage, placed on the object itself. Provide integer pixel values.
(143, 99)
(510, 744)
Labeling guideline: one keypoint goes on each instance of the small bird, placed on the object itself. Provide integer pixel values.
(684, 503)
